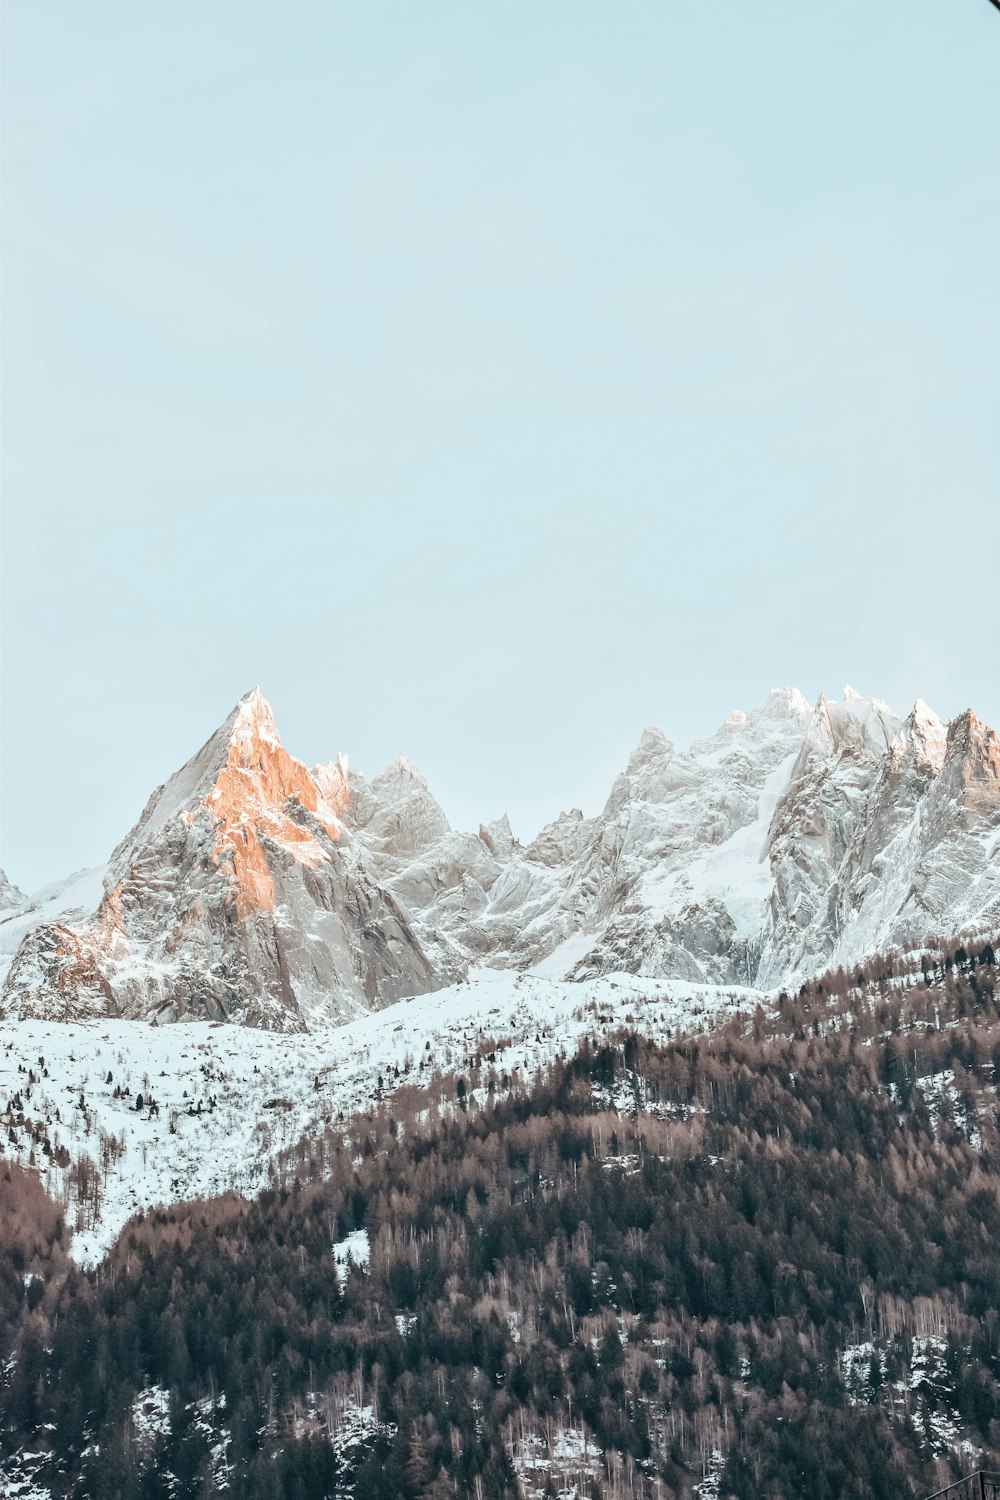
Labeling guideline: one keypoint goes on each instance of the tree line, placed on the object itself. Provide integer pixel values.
(757, 1263)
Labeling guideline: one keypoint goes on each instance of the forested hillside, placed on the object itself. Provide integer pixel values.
(758, 1264)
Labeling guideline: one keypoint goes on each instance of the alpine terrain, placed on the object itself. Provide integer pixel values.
(256, 890)
(655, 1158)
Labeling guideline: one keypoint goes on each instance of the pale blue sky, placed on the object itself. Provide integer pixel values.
(486, 382)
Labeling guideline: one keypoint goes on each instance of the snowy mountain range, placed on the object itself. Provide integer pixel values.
(257, 890)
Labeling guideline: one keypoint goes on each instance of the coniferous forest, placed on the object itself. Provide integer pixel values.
(761, 1263)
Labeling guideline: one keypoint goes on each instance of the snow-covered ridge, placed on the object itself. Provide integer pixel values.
(253, 888)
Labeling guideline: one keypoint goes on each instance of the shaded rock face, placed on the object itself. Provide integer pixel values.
(256, 890)
(817, 821)
(11, 899)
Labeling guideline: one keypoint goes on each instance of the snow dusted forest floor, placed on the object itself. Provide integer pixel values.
(220, 1102)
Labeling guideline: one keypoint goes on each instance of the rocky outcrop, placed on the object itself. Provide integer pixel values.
(10, 897)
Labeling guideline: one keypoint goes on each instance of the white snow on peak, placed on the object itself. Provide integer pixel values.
(251, 719)
(923, 734)
(922, 713)
(400, 773)
(653, 743)
(787, 702)
(866, 722)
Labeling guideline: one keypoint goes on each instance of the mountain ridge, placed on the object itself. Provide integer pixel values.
(795, 837)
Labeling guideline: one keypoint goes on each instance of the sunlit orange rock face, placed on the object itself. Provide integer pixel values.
(234, 896)
(978, 749)
(254, 796)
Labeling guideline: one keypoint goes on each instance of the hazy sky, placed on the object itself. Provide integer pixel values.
(486, 382)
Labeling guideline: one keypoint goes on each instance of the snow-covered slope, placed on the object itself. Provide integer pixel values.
(167, 1112)
(254, 889)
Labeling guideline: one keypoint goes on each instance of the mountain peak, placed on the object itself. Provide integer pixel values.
(963, 726)
(10, 895)
(401, 772)
(252, 721)
(498, 837)
(653, 744)
(923, 734)
(787, 702)
(969, 732)
(247, 783)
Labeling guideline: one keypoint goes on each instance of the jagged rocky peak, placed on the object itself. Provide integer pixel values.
(783, 703)
(974, 737)
(853, 725)
(242, 786)
(839, 756)
(971, 767)
(251, 726)
(763, 735)
(399, 776)
(653, 745)
(243, 763)
(784, 710)
(786, 703)
(336, 782)
(498, 837)
(818, 819)
(11, 898)
(395, 811)
(923, 726)
(744, 750)
(921, 742)
(345, 790)
(230, 898)
(562, 840)
(405, 819)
